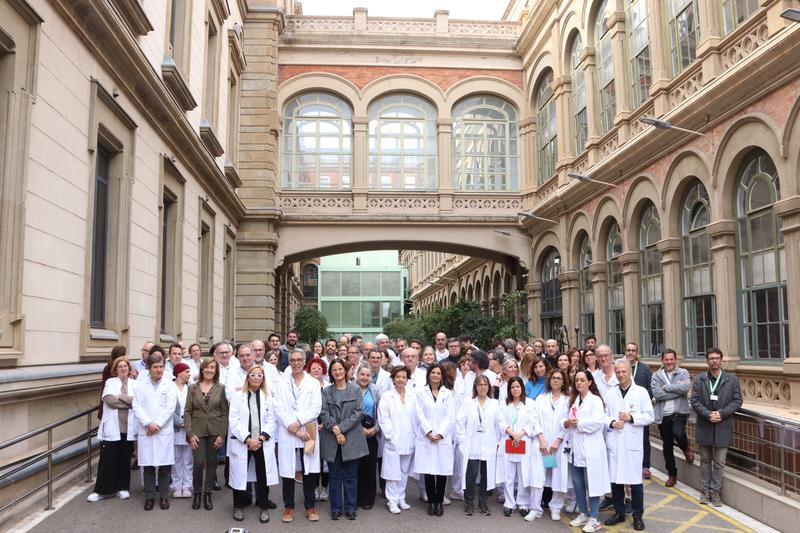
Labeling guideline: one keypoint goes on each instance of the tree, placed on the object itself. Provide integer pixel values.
(311, 324)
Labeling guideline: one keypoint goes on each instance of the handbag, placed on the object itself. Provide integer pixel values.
(367, 422)
(512, 447)
(311, 443)
(549, 461)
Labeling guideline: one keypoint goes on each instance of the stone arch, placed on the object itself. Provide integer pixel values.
(497, 284)
(683, 169)
(642, 193)
(318, 82)
(487, 287)
(403, 83)
(487, 85)
(790, 144)
(748, 133)
(606, 213)
(544, 62)
(547, 240)
(589, 14)
(578, 226)
(569, 30)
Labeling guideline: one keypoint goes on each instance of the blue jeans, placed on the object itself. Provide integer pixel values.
(581, 485)
(343, 477)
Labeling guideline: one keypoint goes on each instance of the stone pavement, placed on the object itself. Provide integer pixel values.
(668, 510)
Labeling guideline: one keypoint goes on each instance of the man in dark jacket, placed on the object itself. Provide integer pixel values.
(715, 398)
(642, 376)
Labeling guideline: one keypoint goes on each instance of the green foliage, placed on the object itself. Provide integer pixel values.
(311, 324)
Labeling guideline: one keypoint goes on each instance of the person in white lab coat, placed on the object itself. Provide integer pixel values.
(251, 449)
(116, 433)
(396, 414)
(153, 404)
(523, 469)
(299, 402)
(552, 407)
(182, 468)
(416, 375)
(628, 411)
(479, 428)
(587, 456)
(380, 377)
(194, 362)
(433, 449)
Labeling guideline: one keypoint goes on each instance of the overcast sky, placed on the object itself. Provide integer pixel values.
(459, 9)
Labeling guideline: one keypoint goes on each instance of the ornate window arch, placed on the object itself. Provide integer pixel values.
(699, 303)
(605, 66)
(616, 291)
(551, 313)
(734, 12)
(586, 290)
(651, 284)
(579, 113)
(485, 152)
(684, 33)
(762, 260)
(317, 142)
(546, 130)
(639, 51)
(402, 143)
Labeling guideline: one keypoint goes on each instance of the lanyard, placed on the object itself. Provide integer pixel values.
(713, 387)
(480, 410)
(635, 368)
(515, 416)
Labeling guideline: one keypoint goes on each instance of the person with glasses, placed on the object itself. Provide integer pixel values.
(642, 376)
(259, 351)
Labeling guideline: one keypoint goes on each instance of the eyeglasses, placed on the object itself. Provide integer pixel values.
(556, 379)
(294, 361)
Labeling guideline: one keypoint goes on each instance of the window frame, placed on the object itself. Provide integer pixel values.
(616, 312)
(580, 119)
(731, 18)
(205, 274)
(651, 283)
(546, 138)
(168, 325)
(606, 76)
(679, 63)
(586, 307)
(551, 310)
(641, 68)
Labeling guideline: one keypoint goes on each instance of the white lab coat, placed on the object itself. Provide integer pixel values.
(439, 416)
(109, 425)
(397, 420)
(302, 405)
(155, 404)
(604, 386)
(236, 378)
(417, 381)
(384, 381)
(588, 445)
(194, 369)
(485, 447)
(625, 446)
(180, 433)
(527, 420)
(551, 417)
(242, 470)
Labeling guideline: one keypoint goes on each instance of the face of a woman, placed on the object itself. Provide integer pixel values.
(343, 351)
(400, 381)
(364, 377)
(316, 370)
(435, 377)
(209, 371)
(318, 348)
(428, 357)
(510, 370)
(590, 358)
(465, 363)
(516, 390)
(483, 389)
(581, 383)
(338, 373)
(123, 370)
(563, 361)
(273, 359)
(539, 369)
(574, 358)
(195, 352)
(255, 377)
(519, 349)
(537, 347)
(556, 382)
(529, 350)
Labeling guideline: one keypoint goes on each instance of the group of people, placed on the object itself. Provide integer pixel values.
(547, 431)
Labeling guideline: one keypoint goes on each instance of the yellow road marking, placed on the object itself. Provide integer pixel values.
(710, 510)
(659, 504)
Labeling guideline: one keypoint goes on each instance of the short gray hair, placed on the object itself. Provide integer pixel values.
(623, 361)
(381, 337)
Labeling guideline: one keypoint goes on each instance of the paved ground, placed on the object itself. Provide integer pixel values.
(667, 511)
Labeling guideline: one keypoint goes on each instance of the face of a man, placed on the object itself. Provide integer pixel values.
(157, 371)
(669, 361)
(631, 352)
(175, 355)
(714, 361)
(223, 354)
(417, 346)
(590, 344)
(291, 339)
(623, 372)
(441, 341)
(353, 356)
(375, 360)
(453, 348)
(296, 362)
(383, 344)
(274, 342)
(604, 357)
(401, 345)
(330, 347)
(551, 347)
(494, 364)
(146, 349)
(245, 357)
(410, 359)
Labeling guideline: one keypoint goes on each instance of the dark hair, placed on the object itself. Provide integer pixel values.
(515, 379)
(156, 348)
(668, 350)
(449, 373)
(292, 331)
(435, 364)
(590, 337)
(204, 363)
(189, 349)
(239, 346)
(714, 350)
(344, 364)
(174, 345)
(564, 380)
(482, 377)
(213, 348)
(584, 353)
(378, 350)
(155, 357)
(480, 358)
(354, 339)
(592, 387)
(117, 352)
(532, 372)
(412, 341)
(466, 338)
(396, 370)
(273, 335)
(452, 339)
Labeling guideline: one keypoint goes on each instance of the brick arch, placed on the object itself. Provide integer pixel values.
(317, 82)
(683, 169)
(641, 194)
(790, 143)
(403, 83)
(487, 85)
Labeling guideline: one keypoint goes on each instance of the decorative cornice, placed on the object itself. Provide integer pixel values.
(177, 86)
(238, 59)
(134, 16)
(210, 139)
(232, 174)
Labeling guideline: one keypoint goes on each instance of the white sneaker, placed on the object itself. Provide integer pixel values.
(124, 494)
(592, 525)
(555, 515)
(177, 493)
(571, 507)
(532, 515)
(393, 508)
(404, 506)
(316, 493)
(446, 501)
(424, 498)
(579, 520)
(455, 495)
(323, 494)
(94, 497)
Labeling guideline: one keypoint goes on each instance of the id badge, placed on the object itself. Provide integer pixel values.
(713, 398)
(481, 428)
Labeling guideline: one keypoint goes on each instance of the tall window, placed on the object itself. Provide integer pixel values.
(605, 67)
(402, 143)
(485, 145)
(551, 295)
(317, 142)
(310, 275)
(205, 308)
(684, 33)
(546, 126)
(97, 302)
(587, 292)
(699, 305)
(168, 239)
(616, 291)
(651, 284)
(578, 96)
(762, 260)
(639, 47)
(737, 11)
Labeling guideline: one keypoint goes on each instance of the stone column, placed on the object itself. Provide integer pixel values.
(527, 154)
(629, 263)
(599, 274)
(444, 161)
(711, 34)
(788, 210)
(485, 308)
(588, 63)
(659, 56)
(570, 301)
(670, 249)
(360, 172)
(534, 290)
(494, 303)
(723, 250)
(621, 67)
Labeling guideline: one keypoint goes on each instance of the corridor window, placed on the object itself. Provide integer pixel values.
(605, 67)
(639, 47)
(547, 133)
(586, 289)
(737, 11)
(485, 145)
(616, 291)
(317, 143)
(684, 33)
(402, 143)
(551, 296)
(579, 120)
(651, 284)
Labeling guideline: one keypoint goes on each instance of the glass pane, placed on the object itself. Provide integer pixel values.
(351, 314)
(351, 284)
(330, 284)
(332, 311)
(370, 284)
(371, 315)
(390, 284)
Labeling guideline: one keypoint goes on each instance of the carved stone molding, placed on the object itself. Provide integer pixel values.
(488, 203)
(745, 45)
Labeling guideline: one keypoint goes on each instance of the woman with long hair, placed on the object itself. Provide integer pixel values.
(536, 379)
(589, 361)
(318, 369)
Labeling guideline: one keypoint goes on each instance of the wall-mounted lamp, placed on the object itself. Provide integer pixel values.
(791, 13)
(665, 125)
(589, 179)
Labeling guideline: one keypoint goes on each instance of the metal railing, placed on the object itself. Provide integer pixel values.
(84, 438)
(764, 446)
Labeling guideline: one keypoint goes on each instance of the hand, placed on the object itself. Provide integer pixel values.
(302, 434)
(253, 444)
(153, 428)
(340, 439)
(217, 443)
(542, 446)
(618, 424)
(194, 442)
(336, 431)
(570, 422)
(624, 416)
(715, 417)
(294, 427)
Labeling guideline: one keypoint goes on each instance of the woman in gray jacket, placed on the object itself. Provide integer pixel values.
(342, 438)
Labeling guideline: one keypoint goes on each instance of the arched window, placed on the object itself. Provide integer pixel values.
(684, 33)
(402, 143)
(762, 260)
(651, 284)
(551, 295)
(587, 293)
(317, 142)
(579, 120)
(616, 291)
(310, 277)
(485, 154)
(546, 127)
(639, 47)
(699, 305)
(605, 66)
(737, 11)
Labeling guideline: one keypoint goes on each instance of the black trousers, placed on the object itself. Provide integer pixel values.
(673, 431)
(164, 475)
(114, 466)
(310, 482)
(637, 499)
(434, 487)
(367, 474)
(473, 467)
(646, 445)
(242, 498)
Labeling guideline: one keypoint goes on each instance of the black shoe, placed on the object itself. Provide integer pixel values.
(271, 504)
(350, 516)
(263, 517)
(484, 509)
(163, 503)
(607, 503)
(628, 507)
(207, 503)
(507, 511)
(366, 506)
(524, 512)
(469, 509)
(148, 504)
(196, 500)
(335, 516)
(545, 506)
(431, 509)
(238, 514)
(216, 485)
(638, 523)
(614, 519)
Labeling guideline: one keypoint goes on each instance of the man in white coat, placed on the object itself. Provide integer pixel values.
(380, 377)
(299, 402)
(153, 404)
(416, 376)
(628, 410)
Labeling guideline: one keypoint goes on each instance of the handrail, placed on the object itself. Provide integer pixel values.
(48, 453)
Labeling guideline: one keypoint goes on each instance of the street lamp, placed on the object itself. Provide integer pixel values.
(509, 234)
(791, 13)
(589, 179)
(665, 125)
(537, 217)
